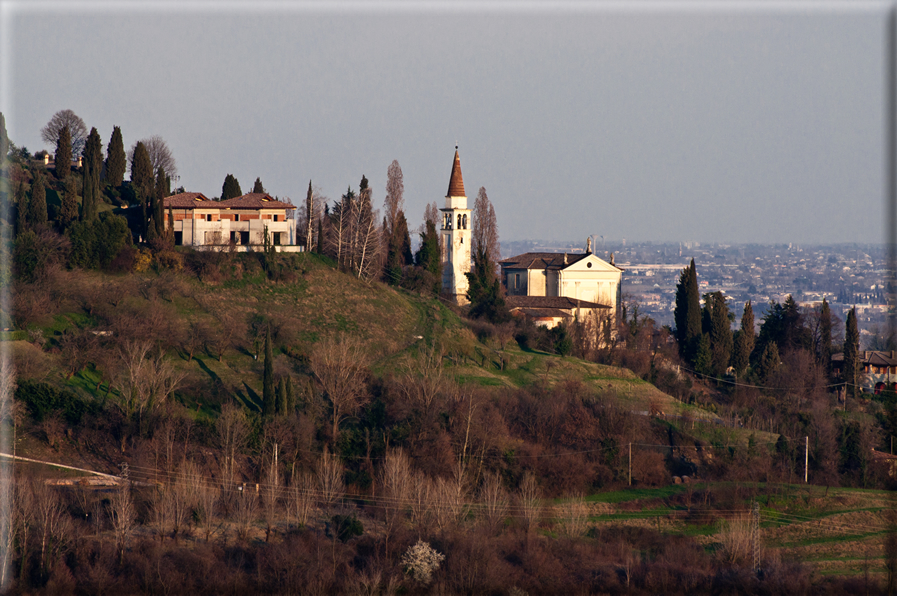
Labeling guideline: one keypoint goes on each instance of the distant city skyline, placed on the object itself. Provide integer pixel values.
(711, 121)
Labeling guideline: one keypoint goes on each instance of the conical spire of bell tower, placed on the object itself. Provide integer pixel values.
(456, 182)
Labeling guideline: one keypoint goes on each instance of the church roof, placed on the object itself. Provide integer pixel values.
(456, 182)
(542, 260)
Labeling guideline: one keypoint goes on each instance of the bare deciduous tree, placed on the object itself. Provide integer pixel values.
(528, 501)
(339, 364)
(245, 512)
(494, 500)
(420, 499)
(395, 194)
(53, 524)
(422, 377)
(124, 518)
(302, 497)
(574, 517)
(147, 379)
(159, 154)
(395, 487)
(485, 228)
(233, 430)
(331, 485)
(77, 129)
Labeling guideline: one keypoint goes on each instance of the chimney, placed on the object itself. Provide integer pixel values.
(79, 161)
(565, 258)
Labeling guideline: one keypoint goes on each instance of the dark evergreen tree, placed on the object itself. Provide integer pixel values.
(4, 141)
(824, 347)
(768, 362)
(687, 313)
(158, 199)
(851, 364)
(142, 183)
(428, 256)
(796, 334)
(703, 361)
(231, 188)
(63, 157)
(91, 166)
(21, 207)
(720, 333)
(116, 160)
(744, 341)
(37, 207)
(268, 396)
(398, 252)
(484, 290)
(257, 187)
(68, 210)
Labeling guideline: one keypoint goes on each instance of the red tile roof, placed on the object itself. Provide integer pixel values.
(550, 302)
(456, 182)
(541, 260)
(189, 200)
(254, 200)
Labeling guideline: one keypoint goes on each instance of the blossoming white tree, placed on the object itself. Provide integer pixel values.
(421, 561)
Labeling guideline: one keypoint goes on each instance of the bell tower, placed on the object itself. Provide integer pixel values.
(456, 236)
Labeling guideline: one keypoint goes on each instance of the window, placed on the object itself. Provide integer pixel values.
(208, 217)
(516, 281)
(236, 217)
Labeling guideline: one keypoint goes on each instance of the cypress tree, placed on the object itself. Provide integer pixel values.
(768, 363)
(4, 141)
(824, 350)
(68, 211)
(231, 188)
(703, 361)
(158, 199)
(680, 312)
(63, 156)
(398, 252)
(37, 208)
(428, 254)
(142, 182)
(268, 396)
(91, 165)
(282, 400)
(320, 247)
(688, 313)
(720, 333)
(291, 395)
(21, 203)
(693, 329)
(851, 353)
(744, 341)
(116, 160)
(257, 187)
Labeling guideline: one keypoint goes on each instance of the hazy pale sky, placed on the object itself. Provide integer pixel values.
(710, 121)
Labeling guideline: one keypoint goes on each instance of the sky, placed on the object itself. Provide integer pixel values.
(657, 121)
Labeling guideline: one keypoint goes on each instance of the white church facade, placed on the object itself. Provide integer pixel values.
(549, 288)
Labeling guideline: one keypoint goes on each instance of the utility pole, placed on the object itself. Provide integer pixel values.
(806, 458)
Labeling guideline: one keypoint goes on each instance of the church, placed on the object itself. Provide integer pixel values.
(548, 288)
(552, 288)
